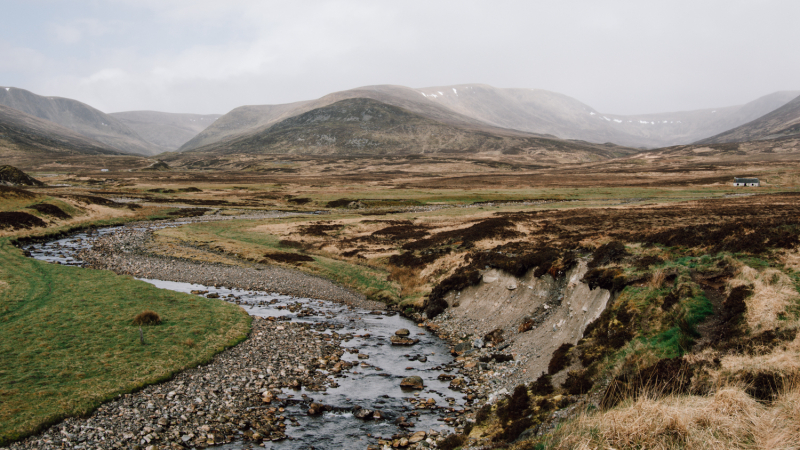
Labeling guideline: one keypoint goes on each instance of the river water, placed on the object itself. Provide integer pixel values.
(373, 384)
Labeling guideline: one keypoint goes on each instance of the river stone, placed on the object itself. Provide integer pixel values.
(416, 437)
(402, 332)
(462, 347)
(397, 340)
(414, 382)
(364, 414)
(212, 295)
(316, 409)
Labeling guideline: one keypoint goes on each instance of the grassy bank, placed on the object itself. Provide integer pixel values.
(68, 342)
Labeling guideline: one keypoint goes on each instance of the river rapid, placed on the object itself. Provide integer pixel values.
(373, 382)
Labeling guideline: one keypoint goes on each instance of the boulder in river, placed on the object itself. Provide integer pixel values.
(402, 332)
(316, 409)
(363, 414)
(414, 382)
(398, 340)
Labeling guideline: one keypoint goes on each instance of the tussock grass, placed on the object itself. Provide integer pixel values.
(68, 342)
(773, 293)
(727, 419)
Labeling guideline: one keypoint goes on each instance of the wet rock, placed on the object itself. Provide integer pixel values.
(402, 332)
(212, 295)
(363, 414)
(458, 384)
(462, 347)
(398, 340)
(414, 382)
(417, 437)
(316, 409)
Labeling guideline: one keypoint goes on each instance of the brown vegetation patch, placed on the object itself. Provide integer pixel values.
(614, 251)
(403, 231)
(765, 385)
(95, 200)
(340, 203)
(12, 192)
(147, 318)
(288, 258)
(319, 229)
(542, 386)
(666, 377)
(189, 212)
(610, 279)
(435, 303)
(560, 359)
(408, 259)
(646, 262)
(287, 243)
(753, 236)
(19, 220)
(50, 210)
(578, 382)
(299, 201)
(495, 227)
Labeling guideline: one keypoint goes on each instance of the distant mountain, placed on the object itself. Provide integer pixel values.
(23, 133)
(530, 110)
(782, 122)
(78, 117)
(165, 131)
(366, 127)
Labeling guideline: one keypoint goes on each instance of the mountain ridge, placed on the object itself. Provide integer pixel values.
(526, 110)
(78, 117)
(782, 122)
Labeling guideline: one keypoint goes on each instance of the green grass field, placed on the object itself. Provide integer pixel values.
(67, 342)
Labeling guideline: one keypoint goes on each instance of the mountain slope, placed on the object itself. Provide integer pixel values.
(541, 111)
(783, 122)
(165, 131)
(366, 127)
(78, 117)
(530, 110)
(20, 132)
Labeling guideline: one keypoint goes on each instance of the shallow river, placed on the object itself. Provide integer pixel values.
(374, 385)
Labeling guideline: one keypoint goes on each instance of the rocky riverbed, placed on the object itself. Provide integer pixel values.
(124, 251)
(238, 396)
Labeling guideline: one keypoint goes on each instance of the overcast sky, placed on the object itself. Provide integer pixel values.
(209, 56)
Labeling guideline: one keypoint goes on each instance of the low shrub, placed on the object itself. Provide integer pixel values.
(147, 318)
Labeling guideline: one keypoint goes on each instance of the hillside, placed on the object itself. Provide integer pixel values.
(530, 110)
(371, 128)
(20, 132)
(78, 117)
(166, 131)
(782, 122)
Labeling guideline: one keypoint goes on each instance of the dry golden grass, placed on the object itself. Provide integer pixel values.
(657, 279)
(791, 259)
(728, 419)
(409, 280)
(773, 292)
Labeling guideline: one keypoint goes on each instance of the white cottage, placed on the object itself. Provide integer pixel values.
(746, 182)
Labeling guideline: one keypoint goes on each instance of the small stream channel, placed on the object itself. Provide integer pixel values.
(373, 384)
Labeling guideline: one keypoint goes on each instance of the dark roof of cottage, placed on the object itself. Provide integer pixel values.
(745, 180)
